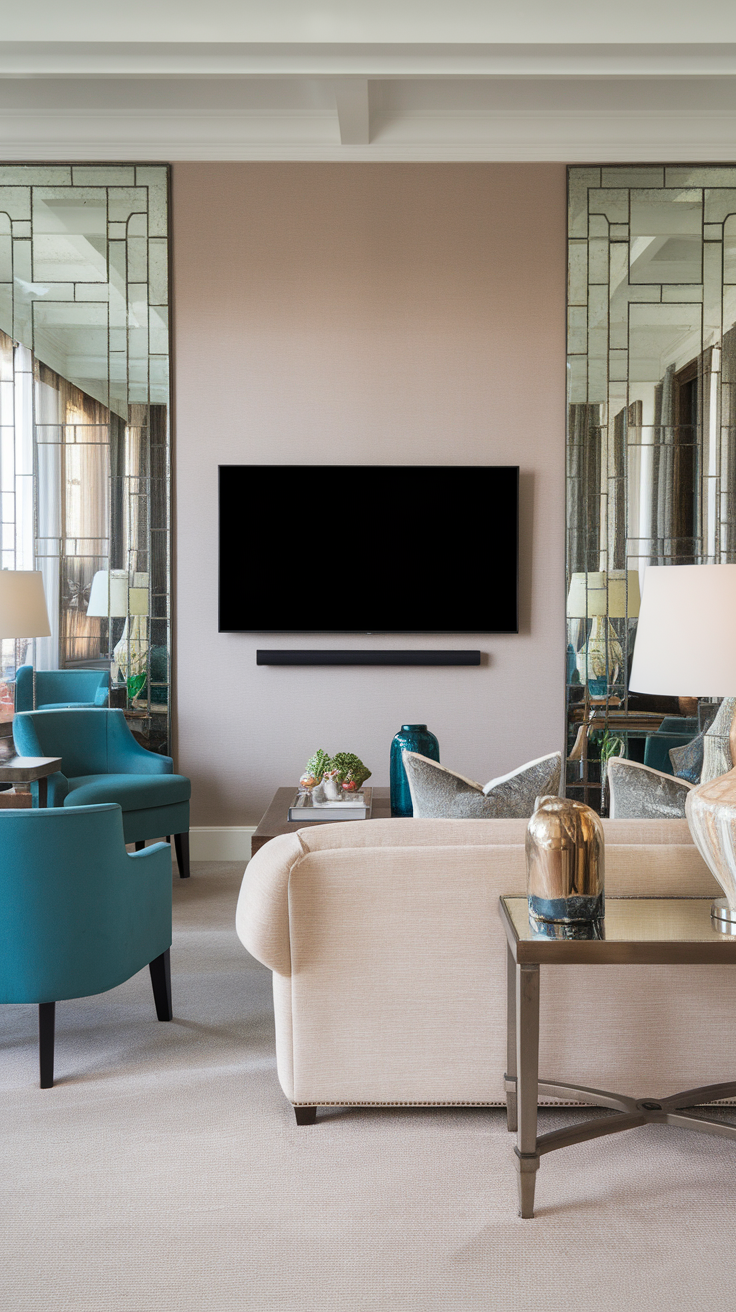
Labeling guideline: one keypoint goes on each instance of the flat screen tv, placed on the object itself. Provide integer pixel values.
(369, 548)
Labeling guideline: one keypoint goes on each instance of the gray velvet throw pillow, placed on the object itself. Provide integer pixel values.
(639, 793)
(440, 794)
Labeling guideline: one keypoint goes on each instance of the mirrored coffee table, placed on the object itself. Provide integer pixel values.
(637, 932)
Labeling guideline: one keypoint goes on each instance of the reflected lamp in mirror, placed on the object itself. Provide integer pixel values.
(686, 644)
(108, 596)
(112, 596)
(602, 595)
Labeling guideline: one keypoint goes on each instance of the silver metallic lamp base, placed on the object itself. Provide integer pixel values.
(722, 915)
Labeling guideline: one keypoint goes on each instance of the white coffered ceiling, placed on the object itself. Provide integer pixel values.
(396, 80)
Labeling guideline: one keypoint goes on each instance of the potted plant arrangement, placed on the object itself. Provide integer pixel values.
(336, 776)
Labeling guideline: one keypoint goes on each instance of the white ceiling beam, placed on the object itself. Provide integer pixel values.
(353, 110)
(315, 59)
(551, 136)
(370, 21)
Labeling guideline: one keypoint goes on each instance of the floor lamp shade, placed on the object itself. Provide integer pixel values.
(23, 611)
(686, 639)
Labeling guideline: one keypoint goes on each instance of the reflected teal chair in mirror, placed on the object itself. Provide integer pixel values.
(61, 689)
(101, 761)
(674, 731)
(80, 915)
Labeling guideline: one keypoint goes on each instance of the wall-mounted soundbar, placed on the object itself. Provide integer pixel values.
(280, 656)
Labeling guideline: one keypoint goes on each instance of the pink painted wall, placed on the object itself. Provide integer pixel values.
(387, 313)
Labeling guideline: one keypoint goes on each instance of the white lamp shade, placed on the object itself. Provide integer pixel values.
(686, 639)
(23, 612)
(108, 595)
(614, 593)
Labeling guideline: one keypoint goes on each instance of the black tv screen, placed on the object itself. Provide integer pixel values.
(369, 549)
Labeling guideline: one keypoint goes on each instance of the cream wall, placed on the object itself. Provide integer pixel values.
(387, 313)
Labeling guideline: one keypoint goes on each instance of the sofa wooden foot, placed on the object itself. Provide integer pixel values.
(305, 1115)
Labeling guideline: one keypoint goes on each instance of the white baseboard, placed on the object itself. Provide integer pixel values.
(220, 842)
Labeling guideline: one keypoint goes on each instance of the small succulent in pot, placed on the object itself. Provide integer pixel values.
(315, 769)
(349, 770)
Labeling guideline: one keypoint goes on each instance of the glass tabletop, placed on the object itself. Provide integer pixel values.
(665, 929)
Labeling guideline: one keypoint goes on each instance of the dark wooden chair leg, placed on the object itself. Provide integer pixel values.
(46, 1026)
(305, 1115)
(160, 969)
(140, 844)
(181, 843)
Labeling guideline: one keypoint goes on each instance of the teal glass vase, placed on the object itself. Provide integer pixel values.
(410, 738)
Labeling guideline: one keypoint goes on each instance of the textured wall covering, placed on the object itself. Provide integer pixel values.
(365, 313)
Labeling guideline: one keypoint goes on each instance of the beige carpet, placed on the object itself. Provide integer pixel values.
(165, 1171)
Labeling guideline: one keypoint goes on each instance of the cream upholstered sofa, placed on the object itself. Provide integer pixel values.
(389, 958)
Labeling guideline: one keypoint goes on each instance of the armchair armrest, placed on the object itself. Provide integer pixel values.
(125, 754)
(58, 789)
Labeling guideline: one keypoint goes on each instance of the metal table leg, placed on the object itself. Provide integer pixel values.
(527, 1077)
(512, 1120)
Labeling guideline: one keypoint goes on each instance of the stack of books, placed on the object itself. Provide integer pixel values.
(354, 806)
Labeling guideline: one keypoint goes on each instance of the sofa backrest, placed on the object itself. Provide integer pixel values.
(471, 833)
(644, 858)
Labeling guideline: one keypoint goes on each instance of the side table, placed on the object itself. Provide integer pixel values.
(29, 769)
(638, 931)
(274, 821)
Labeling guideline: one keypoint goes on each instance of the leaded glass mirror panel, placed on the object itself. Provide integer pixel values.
(84, 424)
(651, 449)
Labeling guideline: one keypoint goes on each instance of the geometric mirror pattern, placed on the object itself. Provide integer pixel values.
(651, 424)
(84, 422)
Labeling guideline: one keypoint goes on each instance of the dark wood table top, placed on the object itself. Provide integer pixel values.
(274, 821)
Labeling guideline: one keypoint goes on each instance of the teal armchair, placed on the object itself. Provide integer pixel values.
(80, 915)
(61, 689)
(101, 761)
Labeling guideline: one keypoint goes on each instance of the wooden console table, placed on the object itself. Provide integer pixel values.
(274, 821)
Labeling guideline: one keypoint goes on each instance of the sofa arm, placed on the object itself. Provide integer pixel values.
(262, 916)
